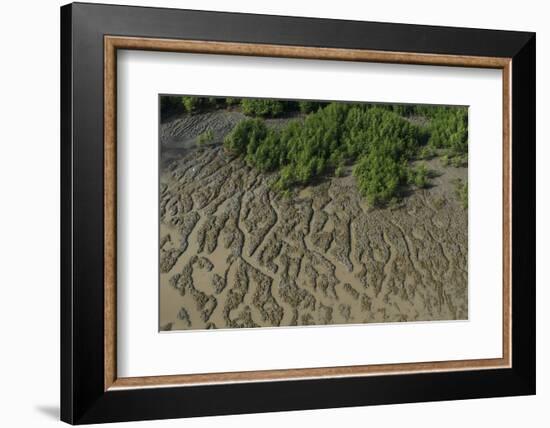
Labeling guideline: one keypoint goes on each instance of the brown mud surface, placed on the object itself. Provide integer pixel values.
(234, 253)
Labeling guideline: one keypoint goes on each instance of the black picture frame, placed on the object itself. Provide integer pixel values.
(83, 398)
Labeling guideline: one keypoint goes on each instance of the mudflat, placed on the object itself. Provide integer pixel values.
(235, 253)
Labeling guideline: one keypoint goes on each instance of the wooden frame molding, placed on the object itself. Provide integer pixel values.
(113, 43)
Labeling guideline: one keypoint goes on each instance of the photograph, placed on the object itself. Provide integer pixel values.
(262, 211)
(287, 212)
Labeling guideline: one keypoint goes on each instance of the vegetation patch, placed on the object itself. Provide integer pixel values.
(262, 107)
(206, 137)
(379, 141)
(461, 191)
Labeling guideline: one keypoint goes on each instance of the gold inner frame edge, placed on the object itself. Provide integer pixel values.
(113, 43)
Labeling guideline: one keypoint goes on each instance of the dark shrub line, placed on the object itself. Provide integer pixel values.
(253, 107)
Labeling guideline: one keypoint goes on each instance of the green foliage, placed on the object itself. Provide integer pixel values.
(206, 137)
(419, 176)
(366, 128)
(265, 154)
(379, 176)
(404, 110)
(197, 104)
(232, 101)
(249, 132)
(459, 160)
(191, 104)
(427, 111)
(383, 142)
(427, 152)
(262, 107)
(449, 130)
(286, 179)
(461, 190)
(310, 106)
(456, 161)
(312, 147)
(326, 140)
(376, 139)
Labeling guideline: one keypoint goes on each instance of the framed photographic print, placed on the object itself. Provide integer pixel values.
(265, 213)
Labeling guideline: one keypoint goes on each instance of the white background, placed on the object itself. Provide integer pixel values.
(142, 351)
(29, 226)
